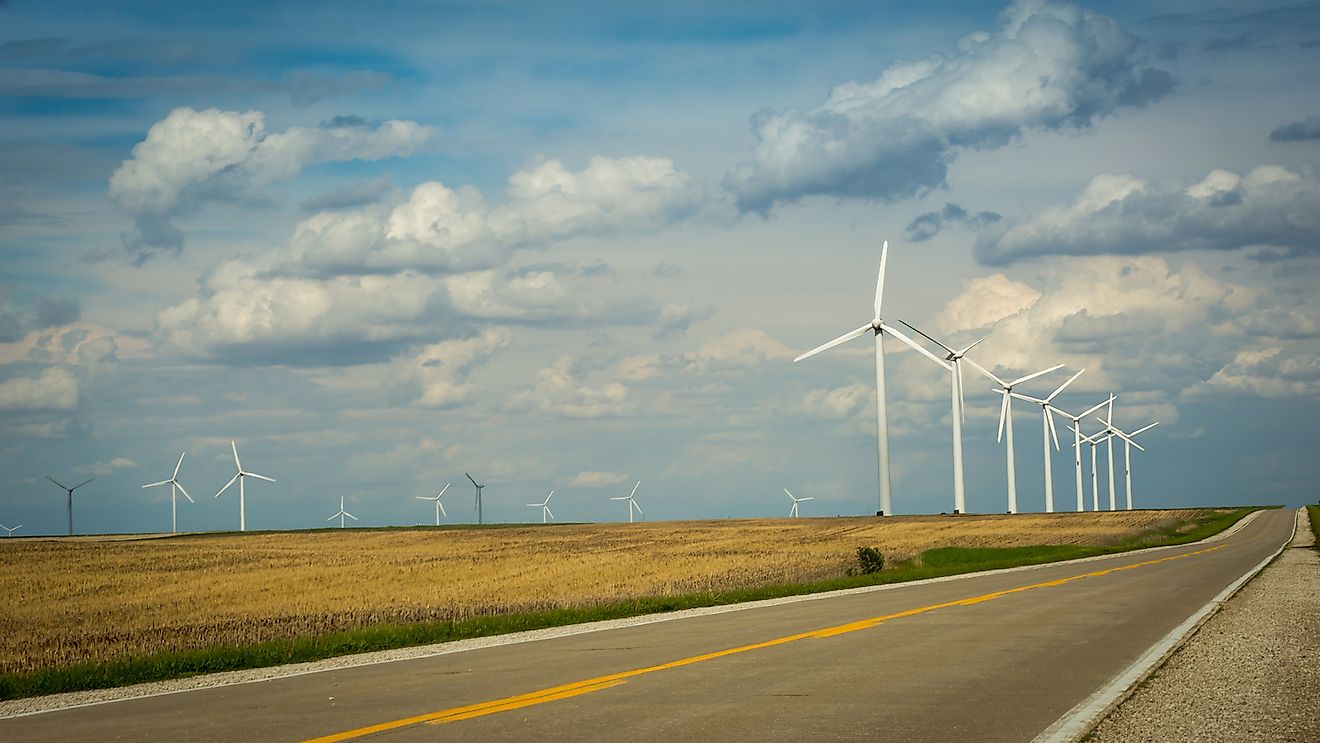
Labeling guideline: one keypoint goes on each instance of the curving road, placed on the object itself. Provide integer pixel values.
(990, 657)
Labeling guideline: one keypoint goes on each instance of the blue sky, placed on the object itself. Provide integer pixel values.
(570, 247)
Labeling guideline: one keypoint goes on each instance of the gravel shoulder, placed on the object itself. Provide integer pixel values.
(1252, 672)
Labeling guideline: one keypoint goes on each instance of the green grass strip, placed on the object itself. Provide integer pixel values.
(934, 563)
(1314, 513)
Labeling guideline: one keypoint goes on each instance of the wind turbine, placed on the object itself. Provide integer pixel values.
(439, 507)
(342, 513)
(1076, 428)
(1094, 441)
(11, 529)
(545, 508)
(479, 487)
(70, 492)
(954, 365)
(793, 513)
(1006, 418)
(175, 485)
(1048, 432)
(632, 502)
(879, 328)
(1128, 443)
(241, 477)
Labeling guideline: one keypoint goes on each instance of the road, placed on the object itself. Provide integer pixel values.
(995, 657)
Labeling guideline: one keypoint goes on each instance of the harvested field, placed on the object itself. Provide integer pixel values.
(71, 602)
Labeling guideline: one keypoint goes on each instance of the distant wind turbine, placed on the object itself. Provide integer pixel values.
(632, 501)
(1006, 418)
(342, 513)
(545, 508)
(479, 487)
(439, 507)
(878, 327)
(11, 529)
(1094, 441)
(793, 513)
(70, 492)
(1128, 443)
(1076, 428)
(175, 488)
(1048, 432)
(241, 477)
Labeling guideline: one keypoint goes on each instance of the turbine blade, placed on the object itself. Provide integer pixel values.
(424, 497)
(442, 490)
(469, 477)
(57, 482)
(789, 494)
(226, 487)
(332, 518)
(552, 513)
(79, 485)
(1003, 416)
(154, 484)
(259, 477)
(1033, 375)
(974, 345)
(880, 280)
(986, 372)
(1049, 421)
(351, 516)
(185, 492)
(841, 339)
(809, 497)
(1144, 428)
(622, 497)
(634, 490)
(1060, 388)
(913, 345)
(177, 466)
(1028, 398)
(1095, 407)
(442, 508)
(927, 337)
(237, 463)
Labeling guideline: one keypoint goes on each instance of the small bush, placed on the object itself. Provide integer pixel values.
(870, 560)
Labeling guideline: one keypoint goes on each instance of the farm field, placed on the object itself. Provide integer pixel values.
(78, 601)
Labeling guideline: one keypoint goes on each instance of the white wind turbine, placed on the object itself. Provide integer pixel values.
(479, 487)
(1048, 432)
(1076, 428)
(958, 412)
(1109, 444)
(545, 508)
(632, 501)
(1094, 441)
(10, 529)
(342, 513)
(70, 492)
(1128, 443)
(439, 507)
(879, 328)
(793, 513)
(1006, 418)
(241, 476)
(175, 485)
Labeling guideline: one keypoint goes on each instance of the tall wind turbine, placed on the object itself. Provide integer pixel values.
(632, 501)
(545, 508)
(1094, 441)
(10, 529)
(241, 477)
(793, 512)
(1048, 432)
(479, 487)
(70, 492)
(879, 328)
(958, 414)
(1128, 443)
(439, 507)
(1076, 428)
(175, 485)
(342, 513)
(1006, 418)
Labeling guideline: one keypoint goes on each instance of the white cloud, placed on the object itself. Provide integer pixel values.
(437, 376)
(1269, 371)
(1047, 66)
(560, 391)
(593, 479)
(839, 402)
(192, 157)
(107, 468)
(55, 388)
(1270, 206)
(735, 349)
(500, 296)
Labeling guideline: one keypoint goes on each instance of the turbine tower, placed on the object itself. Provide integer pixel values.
(1109, 445)
(241, 477)
(175, 488)
(10, 529)
(70, 492)
(545, 508)
(1128, 443)
(479, 487)
(439, 507)
(342, 513)
(1076, 428)
(879, 328)
(793, 513)
(1006, 418)
(958, 414)
(1094, 441)
(1048, 432)
(632, 501)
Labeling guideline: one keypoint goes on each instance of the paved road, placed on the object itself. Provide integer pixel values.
(990, 658)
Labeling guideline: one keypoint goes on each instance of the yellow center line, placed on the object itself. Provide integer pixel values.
(599, 683)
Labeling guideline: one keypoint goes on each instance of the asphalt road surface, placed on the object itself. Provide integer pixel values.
(994, 657)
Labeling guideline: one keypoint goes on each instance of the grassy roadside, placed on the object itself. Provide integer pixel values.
(933, 563)
(1314, 513)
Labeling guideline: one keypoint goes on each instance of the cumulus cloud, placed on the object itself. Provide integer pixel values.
(593, 479)
(55, 388)
(560, 391)
(1270, 206)
(928, 225)
(1270, 371)
(1297, 131)
(737, 349)
(438, 375)
(191, 157)
(839, 402)
(675, 319)
(118, 464)
(1047, 66)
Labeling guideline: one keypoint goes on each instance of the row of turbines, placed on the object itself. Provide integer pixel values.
(952, 362)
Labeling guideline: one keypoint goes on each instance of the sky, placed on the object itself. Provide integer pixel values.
(573, 246)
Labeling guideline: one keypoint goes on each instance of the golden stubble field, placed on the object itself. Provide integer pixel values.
(65, 601)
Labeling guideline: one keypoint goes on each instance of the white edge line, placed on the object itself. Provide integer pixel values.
(1090, 712)
(341, 663)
